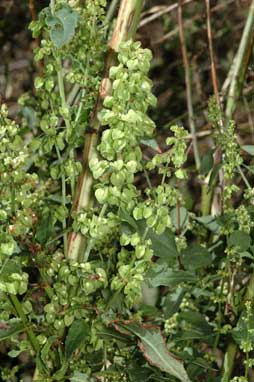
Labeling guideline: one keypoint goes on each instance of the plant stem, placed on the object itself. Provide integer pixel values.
(20, 313)
(229, 360)
(188, 86)
(244, 178)
(65, 106)
(52, 6)
(60, 79)
(63, 203)
(211, 52)
(228, 365)
(125, 29)
(240, 64)
(111, 10)
(207, 195)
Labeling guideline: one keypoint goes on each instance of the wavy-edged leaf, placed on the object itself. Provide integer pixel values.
(153, 346)
(62, 25)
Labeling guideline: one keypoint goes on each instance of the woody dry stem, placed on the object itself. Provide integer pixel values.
(125, 29)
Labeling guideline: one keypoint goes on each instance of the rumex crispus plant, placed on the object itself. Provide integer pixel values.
(101, 279)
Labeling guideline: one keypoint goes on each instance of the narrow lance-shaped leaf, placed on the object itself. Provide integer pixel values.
(77, 335)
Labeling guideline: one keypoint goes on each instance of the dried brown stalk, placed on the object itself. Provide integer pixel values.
(125, 28)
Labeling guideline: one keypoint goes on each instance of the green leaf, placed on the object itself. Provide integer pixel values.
(80, 377)
(111, 334)
(158, 276)
(45, 227)
(153, 346)
(151, 143)
(249, 168)
(172, 302)
(46, 349)
(30, 116)
(14, 353)
(206, 163)
(198, 327)
(242, 332)
(62, 25)
(59, 374)
(179, 217)
(239, 239)
(138, 373)
(7, 330)
(163, 245)
(195, 257)
(249, 149)
(209, 222)
(9, 268)
(214, 175)
(149, 311)
(77, 334)
(126, 218)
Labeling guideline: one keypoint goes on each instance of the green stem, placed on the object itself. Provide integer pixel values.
(125, 29)
(229, 359)
(244, 178)
(52, 6)
(111, 10)
(148, 179)
(20, 313)
(240, 64)
(247, 361)
(206, 197)
(217, 338)
(63, 203)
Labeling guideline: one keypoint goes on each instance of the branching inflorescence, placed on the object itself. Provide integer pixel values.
(152, 275)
